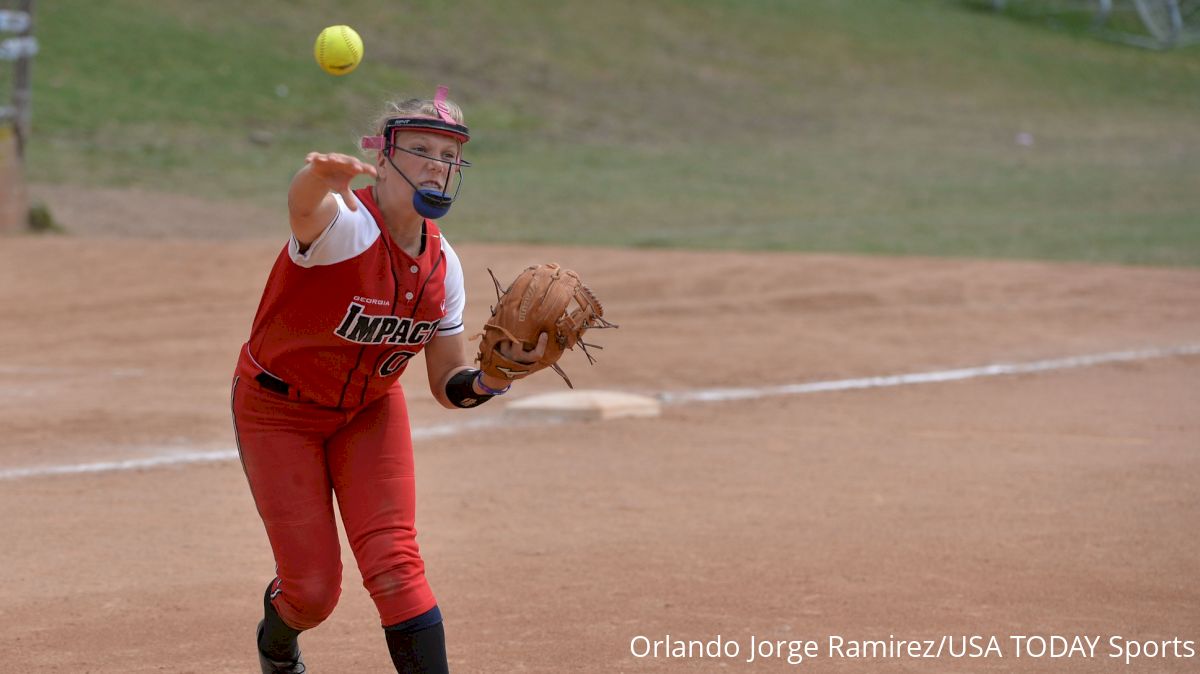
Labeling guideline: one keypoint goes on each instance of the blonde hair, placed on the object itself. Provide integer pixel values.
(414, 107)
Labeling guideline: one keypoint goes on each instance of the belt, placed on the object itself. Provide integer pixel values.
(272, 383)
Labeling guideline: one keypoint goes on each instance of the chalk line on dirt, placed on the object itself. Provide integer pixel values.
(37, 370)
(184, 457)
(675, 397)
(997, 369)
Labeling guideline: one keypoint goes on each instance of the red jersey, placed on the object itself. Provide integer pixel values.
(339, 321)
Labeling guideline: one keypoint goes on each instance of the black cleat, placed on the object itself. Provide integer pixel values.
(270, 666)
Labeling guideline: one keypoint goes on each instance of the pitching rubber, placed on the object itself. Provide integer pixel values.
(583, 405)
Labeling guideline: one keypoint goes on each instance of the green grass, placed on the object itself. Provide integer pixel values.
(877, 126)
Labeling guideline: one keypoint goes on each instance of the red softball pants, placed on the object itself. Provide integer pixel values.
(298, 456)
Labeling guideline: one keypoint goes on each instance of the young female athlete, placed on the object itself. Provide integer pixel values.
(365, 283)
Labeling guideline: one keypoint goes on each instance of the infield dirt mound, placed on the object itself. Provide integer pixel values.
(133, 340)
(1057, 503)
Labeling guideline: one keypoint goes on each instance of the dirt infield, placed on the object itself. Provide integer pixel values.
(1060, 503)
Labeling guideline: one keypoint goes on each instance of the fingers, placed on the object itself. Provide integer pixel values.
(540, 349)
(337, 171)
(334, 164)
(518, 352)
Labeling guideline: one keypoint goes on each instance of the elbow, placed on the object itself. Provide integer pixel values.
(440, 397)
(441, 390)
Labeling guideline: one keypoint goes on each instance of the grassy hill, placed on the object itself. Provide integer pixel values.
(883, 126)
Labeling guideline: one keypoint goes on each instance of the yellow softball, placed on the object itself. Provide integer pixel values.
(338, 50)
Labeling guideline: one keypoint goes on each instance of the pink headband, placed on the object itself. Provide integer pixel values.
(444, 124)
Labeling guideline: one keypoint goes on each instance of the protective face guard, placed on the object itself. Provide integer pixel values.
(429, 203)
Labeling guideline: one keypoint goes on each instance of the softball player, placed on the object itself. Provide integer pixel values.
(366, 282)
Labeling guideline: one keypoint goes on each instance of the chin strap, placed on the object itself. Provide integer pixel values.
(431, 204)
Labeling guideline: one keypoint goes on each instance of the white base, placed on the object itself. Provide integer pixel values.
(584, 406)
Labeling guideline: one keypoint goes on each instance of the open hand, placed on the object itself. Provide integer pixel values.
(337, 170)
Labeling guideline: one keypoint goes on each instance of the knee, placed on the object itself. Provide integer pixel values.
(399, 594)
(305, 603)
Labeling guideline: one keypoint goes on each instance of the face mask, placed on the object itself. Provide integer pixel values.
(429, 203)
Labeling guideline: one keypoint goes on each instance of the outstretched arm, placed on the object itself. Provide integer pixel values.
(311, 206)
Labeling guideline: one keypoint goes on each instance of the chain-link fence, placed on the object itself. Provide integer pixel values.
(1153, 24)
(17, 48)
